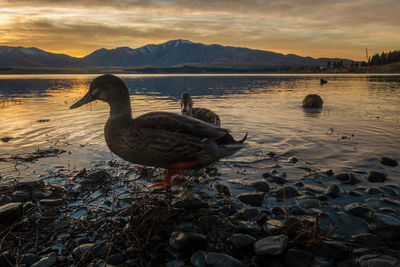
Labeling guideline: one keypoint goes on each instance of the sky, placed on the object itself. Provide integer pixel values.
(316, 28)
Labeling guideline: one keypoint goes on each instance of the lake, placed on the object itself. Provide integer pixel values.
(359, 122)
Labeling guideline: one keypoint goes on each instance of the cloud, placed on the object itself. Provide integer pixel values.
(307, 27)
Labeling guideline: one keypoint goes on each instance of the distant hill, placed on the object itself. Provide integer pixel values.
(32, 57)
(175, 53)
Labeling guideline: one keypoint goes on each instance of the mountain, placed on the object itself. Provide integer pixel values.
(32, 57)
(175, 53)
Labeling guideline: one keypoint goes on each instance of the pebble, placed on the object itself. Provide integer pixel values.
(371, 260)
(354, 193)
(252, 198)
(189, 200)
(216, 259)
(116, 259)
(297, 258)
(241, 241)
(198, 259)
(29, 259)
(266, 175)
(6, 139)
(333, 191)
(308, 203)
(277, 211)
(187, 241)
(322, 262)
(332, 249)
(376, 177)
(389, 191)
(373, 191)
(287, 192)
(278, 180)
(81, 249)
(296, 210)
(50, 202)
(47, 261)
(173, 263)
(385, 226)
(20, 196)
(359, 210)
(273, 245)
(273, 226)
(371, 240)
(249, 227)
(261, 186)
(391, 201)
(388, 162)
(247, 214)
(347, 178)
(11, 212)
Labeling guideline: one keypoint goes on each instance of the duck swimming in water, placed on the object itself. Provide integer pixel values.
(159, 139)
(198, 113)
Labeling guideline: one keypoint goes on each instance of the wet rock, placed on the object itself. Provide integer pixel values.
(354, 193)
(11, 212)
(29, 259)
(361, 251)
(241, 241)
(198, 259)
(116, 259)
(296, 210)
(21, 196)
(249, 227)
(277, 211)
(376, 177)
(50, 202)
(297, 258)
(6, 139)
(261, 186)
(273, 226)
(220, 259)
(223, 190)
(81, 249)
(277, 180)
(266, 175)
(373, 260)
(388, 162)
(308, 203)
(312, 101)
(287, 192)
(322, 262)
(175, 263)
(385, 226)
(252, 198)
(388, 211)
(189, 200)
(347, 178)
(369, 240)
(292, 160)
(5, 199)
(332, 249)
(333, 191)
(357, 209)
(313, 188)
(47, 261)
(98, 177)
(247, 214)
(391, 201)
(373, 191)
(273, 245)
(187, 241)
(389, 191)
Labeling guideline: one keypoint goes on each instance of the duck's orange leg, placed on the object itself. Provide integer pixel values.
(171, 171)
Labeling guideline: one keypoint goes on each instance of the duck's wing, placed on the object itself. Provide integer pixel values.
(176, 123)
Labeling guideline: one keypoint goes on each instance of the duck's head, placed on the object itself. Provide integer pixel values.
(186, 103)
(108, 88)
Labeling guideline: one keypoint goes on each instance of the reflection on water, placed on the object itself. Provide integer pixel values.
(358, 123)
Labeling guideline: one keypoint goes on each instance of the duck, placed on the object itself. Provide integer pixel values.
(159, 139)
(198, 113)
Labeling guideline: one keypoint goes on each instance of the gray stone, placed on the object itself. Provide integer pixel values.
(47, 261)
(29, 259)
(273, 245)
(373, 191)
(11, 212)
(388, 162)
(198, 259)
(376, 177)
(187, 241)
(261, 186)
(373, 260)
(357, 209)
(297, 258)
(241, 241)
(332, 249)
(81, 249)
(253, 198)
(249, 227)
(333, 191)
(215, 259)
(368, 239)
(287, 192)
(385, 226)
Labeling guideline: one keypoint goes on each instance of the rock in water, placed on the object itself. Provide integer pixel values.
(273, 245)
(10, 212)
(388, 162)
(312, 101)
(376, 177)
(385, 226)
(187, 241)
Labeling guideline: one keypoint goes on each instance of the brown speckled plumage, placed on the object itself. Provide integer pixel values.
(159, 139)
(198, 113)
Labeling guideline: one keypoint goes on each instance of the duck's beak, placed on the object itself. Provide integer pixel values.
(84, 100)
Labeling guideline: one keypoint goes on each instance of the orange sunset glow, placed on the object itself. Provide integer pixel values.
(307, 28)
